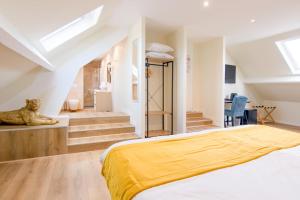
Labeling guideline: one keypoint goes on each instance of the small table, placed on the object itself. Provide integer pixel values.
(102, 101)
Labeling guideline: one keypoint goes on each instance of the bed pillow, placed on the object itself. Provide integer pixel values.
(158, 47)
(158, 55)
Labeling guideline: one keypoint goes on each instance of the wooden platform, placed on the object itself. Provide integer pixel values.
(97, 142)
(19, 142)
(98, 130)
(87, 118)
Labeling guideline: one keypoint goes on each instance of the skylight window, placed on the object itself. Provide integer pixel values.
(72, 29)
(290, 49)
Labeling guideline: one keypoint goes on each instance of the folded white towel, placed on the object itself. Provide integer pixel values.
(158, 47)
(158, 55)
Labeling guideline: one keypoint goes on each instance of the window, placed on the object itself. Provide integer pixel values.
(290, 49)
(72, 29)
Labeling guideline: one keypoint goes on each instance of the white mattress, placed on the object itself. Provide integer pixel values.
(275, 176)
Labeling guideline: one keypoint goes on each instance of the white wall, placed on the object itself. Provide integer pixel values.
(10, 37)
(77, 89)
(285, 96)
(155, 36)
(208, 80)
(53, 87)
(12, 67)
(286, 112)
(178, 41)
(269, 76)
(240, 86)
(122, 77)
(190, 64)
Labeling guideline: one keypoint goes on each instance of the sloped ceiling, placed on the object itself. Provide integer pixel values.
(35, 19)
(265, 68)
(12, 66)
(35, 82)
(261, 58)
(279, 91)
(52, 87)
(230, 18)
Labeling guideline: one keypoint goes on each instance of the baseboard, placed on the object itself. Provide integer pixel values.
(290, 125)
(287, 124)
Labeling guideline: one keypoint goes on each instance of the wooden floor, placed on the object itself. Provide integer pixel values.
(286, 127)
(64, 177)
(158, 133)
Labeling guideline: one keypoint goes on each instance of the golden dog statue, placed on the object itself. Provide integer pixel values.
(27, 115)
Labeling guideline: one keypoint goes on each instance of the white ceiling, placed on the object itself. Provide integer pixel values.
(230, 18)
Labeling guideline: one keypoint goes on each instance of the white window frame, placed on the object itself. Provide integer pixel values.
(293, 65)
(71, 30)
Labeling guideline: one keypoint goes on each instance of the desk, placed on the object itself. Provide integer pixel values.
(250, 116)
(230, 101)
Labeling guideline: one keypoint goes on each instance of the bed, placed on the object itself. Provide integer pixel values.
(272, 173)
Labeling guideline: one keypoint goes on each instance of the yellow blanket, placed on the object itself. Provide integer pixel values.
(133, 168)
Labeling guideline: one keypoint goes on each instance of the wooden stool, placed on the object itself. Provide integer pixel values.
(265, 114)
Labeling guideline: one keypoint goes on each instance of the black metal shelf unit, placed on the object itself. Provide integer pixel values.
(148, 112)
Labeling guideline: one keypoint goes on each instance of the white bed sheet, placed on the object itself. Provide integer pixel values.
(275, 176)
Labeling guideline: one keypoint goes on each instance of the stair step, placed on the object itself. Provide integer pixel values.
(99, 129)
(193, 118)
(200, 128)
(194, 114)
(97, 118)
(199, 122)
(97, 142)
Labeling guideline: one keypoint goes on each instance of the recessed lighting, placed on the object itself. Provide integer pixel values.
(206, 4)
(252, 21)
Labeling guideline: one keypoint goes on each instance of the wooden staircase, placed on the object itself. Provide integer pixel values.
(90, 131)
(196, 122)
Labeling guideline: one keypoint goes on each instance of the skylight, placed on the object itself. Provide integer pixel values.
(290, 49)
(72, 29)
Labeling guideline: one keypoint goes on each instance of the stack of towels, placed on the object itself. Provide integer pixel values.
(159, 51)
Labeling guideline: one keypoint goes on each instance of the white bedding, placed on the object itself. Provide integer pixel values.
(275, 176)
(158, 47)
(158, 55)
